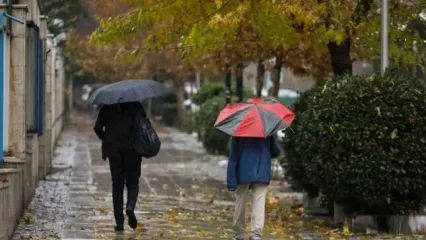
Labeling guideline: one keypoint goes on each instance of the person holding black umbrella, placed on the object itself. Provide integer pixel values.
(116, 126)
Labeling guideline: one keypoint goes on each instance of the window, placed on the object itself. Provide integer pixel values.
(34, 81)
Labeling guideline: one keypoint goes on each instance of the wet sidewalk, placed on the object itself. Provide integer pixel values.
(182, 193)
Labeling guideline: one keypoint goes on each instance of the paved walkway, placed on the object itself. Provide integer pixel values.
(182, 193)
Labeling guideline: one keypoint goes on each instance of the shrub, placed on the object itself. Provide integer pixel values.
(208, 91)
(166, 107)
(212, 89)
(213, 140)
(361, 141)
(211, 99)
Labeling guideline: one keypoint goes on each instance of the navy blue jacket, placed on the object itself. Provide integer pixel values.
(250, 161)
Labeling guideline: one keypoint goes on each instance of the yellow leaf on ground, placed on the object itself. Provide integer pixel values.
(140, 228)
(273, 200)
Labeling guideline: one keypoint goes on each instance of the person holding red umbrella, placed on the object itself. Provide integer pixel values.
(252, 126)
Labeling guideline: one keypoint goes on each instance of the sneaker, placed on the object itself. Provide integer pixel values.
(119, 228)
(133, 222)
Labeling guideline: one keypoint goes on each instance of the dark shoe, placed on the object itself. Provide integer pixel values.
(119, 228)
(133, 222)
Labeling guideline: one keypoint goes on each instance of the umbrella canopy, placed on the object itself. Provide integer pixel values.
(260, 117)
(127, 91)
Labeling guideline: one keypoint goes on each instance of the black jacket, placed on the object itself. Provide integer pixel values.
(114, 126)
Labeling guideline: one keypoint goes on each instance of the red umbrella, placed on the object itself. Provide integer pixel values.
(260, 117)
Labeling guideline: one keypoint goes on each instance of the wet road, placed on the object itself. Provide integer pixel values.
(182, 193)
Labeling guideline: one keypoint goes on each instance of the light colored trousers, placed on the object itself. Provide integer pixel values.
(258, 211)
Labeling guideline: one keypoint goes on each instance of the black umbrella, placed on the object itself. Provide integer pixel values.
(127, 91)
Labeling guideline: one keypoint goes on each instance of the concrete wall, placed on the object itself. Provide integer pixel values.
(30, 155)
(12, 202)
(17, 129)
(4, 198)
(46, 147)
(59, 94)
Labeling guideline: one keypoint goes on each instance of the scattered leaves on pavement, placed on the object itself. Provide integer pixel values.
(282, 220)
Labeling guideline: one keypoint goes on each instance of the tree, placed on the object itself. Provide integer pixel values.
(122, 61)
(62, 14)
(342, 29)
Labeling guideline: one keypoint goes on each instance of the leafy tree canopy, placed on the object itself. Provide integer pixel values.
(307, 30)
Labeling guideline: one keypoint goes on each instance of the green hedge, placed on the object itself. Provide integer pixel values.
(213, 89)
(166, 107)
(213, 140)
(208, 91)
(362, 142)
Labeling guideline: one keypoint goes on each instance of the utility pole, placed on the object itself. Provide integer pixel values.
(384, 37)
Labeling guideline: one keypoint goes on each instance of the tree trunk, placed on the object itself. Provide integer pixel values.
(276, 81)
(260, 78)
(228, 84)
(239, 81)
(181, 115)
(340, 57)
(149, 110)
(198, 79)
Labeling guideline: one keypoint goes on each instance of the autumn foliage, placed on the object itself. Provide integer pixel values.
(310, 34)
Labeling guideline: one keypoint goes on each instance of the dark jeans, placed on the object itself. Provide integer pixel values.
(125, 169)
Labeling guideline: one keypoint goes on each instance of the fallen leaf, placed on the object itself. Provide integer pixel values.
(173, 219)
(103, 211)
(141, 228)
(28, 220)
(273, 200)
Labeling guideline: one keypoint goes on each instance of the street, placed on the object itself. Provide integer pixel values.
(182, 193)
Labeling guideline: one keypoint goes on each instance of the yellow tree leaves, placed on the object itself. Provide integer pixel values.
(253, 30)
(117, 61)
